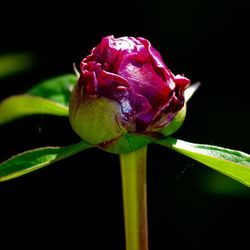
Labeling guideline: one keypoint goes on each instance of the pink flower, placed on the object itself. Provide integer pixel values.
(130, 73)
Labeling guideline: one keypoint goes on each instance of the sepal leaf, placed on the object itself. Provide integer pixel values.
(191, 90)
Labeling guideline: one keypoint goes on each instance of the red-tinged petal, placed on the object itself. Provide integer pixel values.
(131, 73)
(182, 81)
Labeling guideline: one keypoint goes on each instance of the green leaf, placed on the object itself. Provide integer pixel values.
(14, 63)
(48, 97)
(18, 106)
(235, 164)
(37, 158)
(57, 89)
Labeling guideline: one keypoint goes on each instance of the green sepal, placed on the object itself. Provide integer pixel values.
(175, 124)
(189, 92)
(95, 119)
(126, 143)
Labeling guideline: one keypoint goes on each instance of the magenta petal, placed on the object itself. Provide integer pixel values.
(131, 72)
(181, 81)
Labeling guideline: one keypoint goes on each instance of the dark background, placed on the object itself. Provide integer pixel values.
(77, 203)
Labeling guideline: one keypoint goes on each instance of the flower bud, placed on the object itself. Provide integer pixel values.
(126, 96)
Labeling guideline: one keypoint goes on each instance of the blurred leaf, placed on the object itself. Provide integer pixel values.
(18, 106)
(232, 163)
(57, 89)
(32, 160)
(216, 183)
(14, 63)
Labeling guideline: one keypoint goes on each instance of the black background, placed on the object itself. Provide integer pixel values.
(77, 203)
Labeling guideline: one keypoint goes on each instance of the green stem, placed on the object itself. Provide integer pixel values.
(133, 171)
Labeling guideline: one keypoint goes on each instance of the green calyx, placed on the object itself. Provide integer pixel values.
(129, 142)
(126, 143)
(97, 120)
(175, 124)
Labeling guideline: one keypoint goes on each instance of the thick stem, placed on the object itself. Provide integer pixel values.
(133, 171)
